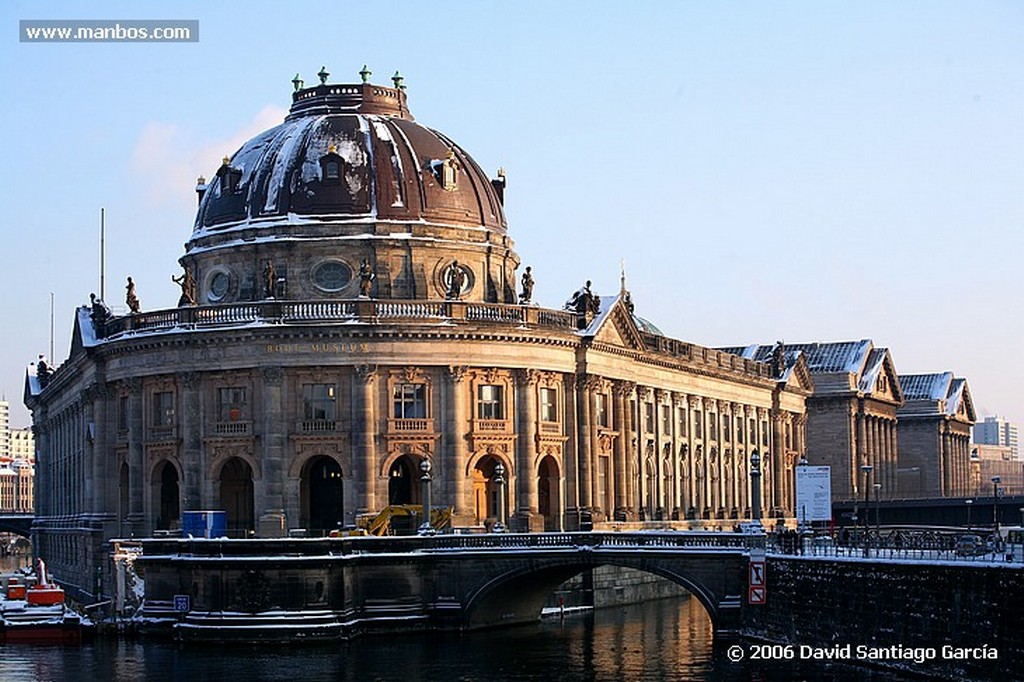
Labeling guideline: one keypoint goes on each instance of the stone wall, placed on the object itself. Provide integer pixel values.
(830, 604)
(615, 586)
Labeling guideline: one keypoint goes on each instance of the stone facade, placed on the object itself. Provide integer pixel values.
(852, 416)
(935, 434)
(334, 350)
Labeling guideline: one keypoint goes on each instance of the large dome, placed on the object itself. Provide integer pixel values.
(350, 183)
(351, 150)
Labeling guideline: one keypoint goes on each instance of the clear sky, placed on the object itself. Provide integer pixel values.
(798, 171)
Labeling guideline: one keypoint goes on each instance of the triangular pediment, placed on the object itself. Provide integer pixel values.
(615, 327)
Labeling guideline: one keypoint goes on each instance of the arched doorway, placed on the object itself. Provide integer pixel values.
(236, 496)
(322, 488)
(166, 497)
(402, 480)
(485, 490)
(548, 494)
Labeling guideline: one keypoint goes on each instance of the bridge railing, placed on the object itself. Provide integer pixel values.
(492, 541)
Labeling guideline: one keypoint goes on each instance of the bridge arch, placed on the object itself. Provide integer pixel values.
(519, 593)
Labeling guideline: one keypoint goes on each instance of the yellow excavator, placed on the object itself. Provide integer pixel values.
(384, 522)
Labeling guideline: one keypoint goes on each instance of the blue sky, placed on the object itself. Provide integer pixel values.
(799, 171)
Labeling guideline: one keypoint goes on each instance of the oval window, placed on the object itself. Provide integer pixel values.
(219, 284)
(332, 275)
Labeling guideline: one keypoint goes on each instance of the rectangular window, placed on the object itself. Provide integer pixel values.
(122, 413)
(698, 424)
(739, 429)
(601, 410)
(232, 404)
(319, 402)
(163, 408)
(764, 432)
(753, 431)
(682, 422)
(713, 426)
(649, 417)
(410, 401)
(489, 402)
(725, 429)
(548, 405)
(666, 420)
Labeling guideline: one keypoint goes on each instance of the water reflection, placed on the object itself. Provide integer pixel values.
(668, 639)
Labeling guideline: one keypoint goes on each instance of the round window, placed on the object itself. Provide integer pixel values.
(219, 284)
(332, 275)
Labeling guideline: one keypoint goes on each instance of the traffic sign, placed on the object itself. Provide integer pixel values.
(756, 574)
(182, 603)
(756, 594)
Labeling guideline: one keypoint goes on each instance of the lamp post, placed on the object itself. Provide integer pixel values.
(968, 502)
(499, 480)
(878, 507)
(995, 507)
(866, 469)
(755, 488)
(802, 511)
(426, 528)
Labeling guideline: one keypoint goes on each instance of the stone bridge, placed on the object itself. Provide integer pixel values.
(347, 585)
(18, 524)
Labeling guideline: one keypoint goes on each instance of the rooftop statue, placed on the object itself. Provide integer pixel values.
(130, 298)
(188, 288)
(527, 295)
(366, 278)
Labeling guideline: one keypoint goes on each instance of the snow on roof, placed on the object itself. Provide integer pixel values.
(606, 305)
(873, 367)
(821, 358)
(926, 386)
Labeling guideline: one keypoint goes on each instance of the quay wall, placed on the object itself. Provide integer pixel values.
(610, 586)
(828, 603)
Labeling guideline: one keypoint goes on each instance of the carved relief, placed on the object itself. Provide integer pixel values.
(457, 373)
(366, 373)
(272, 376)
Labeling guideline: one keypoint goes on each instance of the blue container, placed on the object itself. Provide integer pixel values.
(204, 524)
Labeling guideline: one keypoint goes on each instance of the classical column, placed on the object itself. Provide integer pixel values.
(364, 425)
(861, 450)
(272, 522)
(659, 457)
(621, 391)
(571, 456)
(456, 443)
(135, 446)
(526, 502)
(191, 439)
(583, 433)
(778, 458)
(947, 461)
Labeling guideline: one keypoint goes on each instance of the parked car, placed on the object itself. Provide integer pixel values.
(971, 545)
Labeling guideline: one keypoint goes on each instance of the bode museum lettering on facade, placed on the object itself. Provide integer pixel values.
(352, 305)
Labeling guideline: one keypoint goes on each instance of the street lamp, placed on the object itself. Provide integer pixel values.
(426, 528)
(499, 480)
(968, 503)
(867, 469)
(755, 488)
(802, 511)
(995, 507)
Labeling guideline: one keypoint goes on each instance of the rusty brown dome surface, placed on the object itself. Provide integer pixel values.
(349, 152)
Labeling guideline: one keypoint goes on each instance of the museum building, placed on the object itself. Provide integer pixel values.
(352, 306)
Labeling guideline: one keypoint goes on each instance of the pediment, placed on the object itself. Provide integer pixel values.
(617, 328)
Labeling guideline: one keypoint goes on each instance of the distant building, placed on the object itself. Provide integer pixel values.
(851, 417)
(23, 445)
(17, 473)
(989, 461)
(935, 436)
(997, 431)
(5, 429)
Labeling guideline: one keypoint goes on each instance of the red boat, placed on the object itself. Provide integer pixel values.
(37, 613)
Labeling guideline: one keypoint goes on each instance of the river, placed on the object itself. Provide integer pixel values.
(668, 639)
